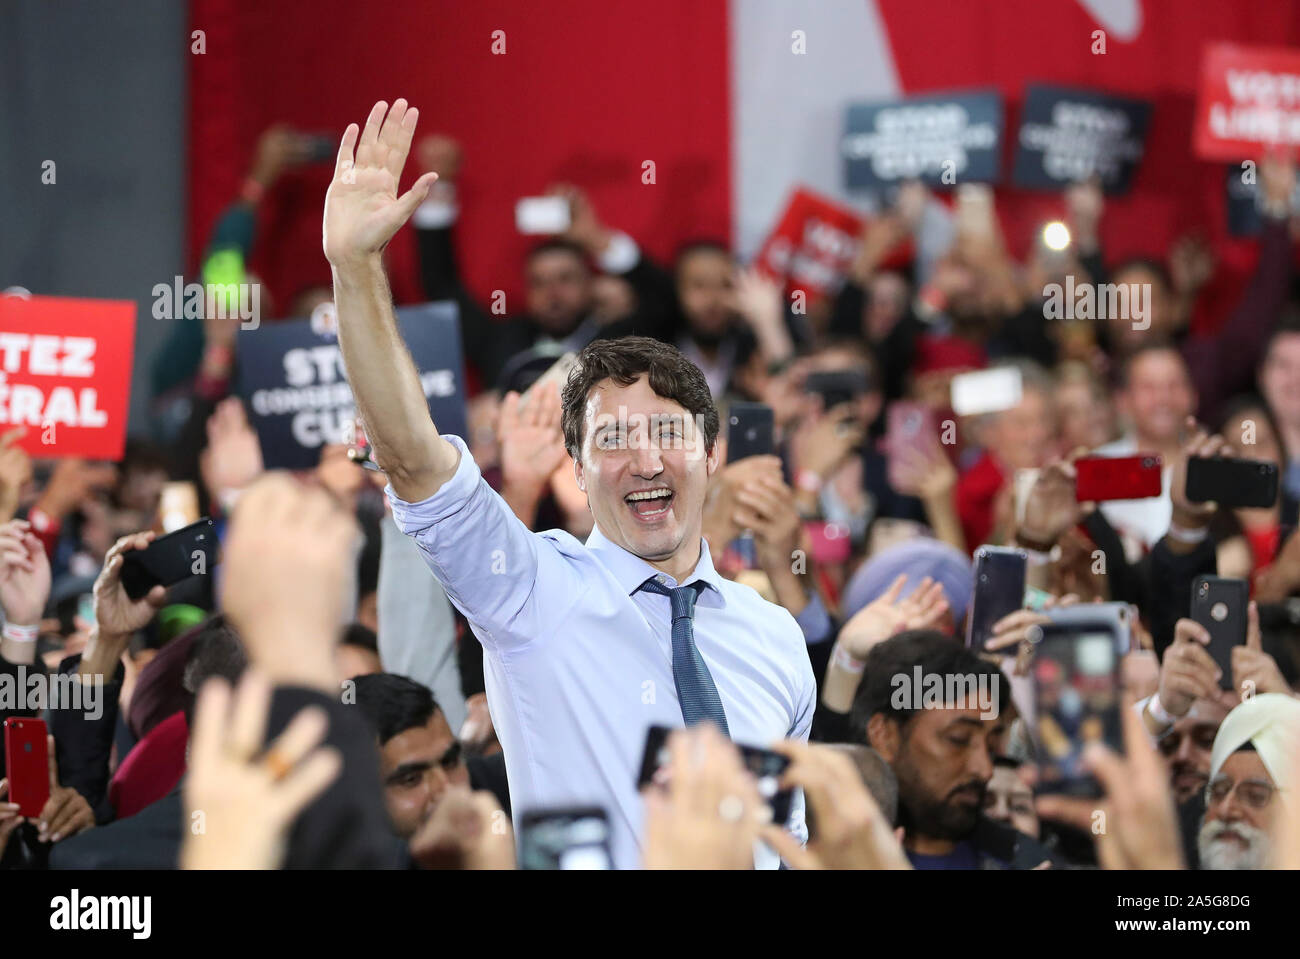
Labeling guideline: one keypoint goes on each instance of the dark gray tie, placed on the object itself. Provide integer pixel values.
(695, 689)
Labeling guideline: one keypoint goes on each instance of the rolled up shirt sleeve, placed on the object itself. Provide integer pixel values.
(494, 569)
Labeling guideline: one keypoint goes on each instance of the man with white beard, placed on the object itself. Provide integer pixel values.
(1246, 801)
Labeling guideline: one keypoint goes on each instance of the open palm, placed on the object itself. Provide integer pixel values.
(362, 208)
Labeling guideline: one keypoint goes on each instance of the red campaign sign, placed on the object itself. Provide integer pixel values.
(813, 244)
(65, 373)
(1249, 100)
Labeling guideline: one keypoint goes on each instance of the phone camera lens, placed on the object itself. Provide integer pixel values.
(984, 578)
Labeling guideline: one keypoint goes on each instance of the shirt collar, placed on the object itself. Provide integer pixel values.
(630, 570)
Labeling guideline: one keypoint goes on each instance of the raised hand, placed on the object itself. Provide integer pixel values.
(889, 615)
(15, 471)
(66, 812)
(468, 830)
(852, 832)
(289, 566)
(1253, 670)
(233, 457)
(1187, 514)
(530, 439)
(709, 816)
(1188, 672)
(362, 207)
(24, 574)
(249, 797)
(1050, 507)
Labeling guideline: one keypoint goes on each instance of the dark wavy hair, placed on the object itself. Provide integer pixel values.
(624, 360)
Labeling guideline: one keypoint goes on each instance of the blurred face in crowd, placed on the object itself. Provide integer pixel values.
(612, 298)
(1159, 396)
(942, 761)
(416, 766)
(704, 288)
(1021, 437)
(1010, 800)
(866, 406)
(1186, 748)
(644, 470)
(1235, 831)
(1279, 379)
(1124, 337)
(1085, 416)
(559, 290)
(1252, 436)
(886, 303)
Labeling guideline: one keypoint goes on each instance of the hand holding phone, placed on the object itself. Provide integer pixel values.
(190, 551)
(1102, 478)
(999, 591)
(1219, 605)
(1232, 483)
(27, 764)
(542, 215)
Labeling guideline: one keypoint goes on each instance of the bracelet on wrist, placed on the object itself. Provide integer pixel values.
(19, 633)
(845, 661)
(1186, 535)
(1158, 711)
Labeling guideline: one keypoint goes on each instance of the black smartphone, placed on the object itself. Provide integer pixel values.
(750, 429)
(1232, 482)
(766, 766)
(999, 590)
(1219, 604)
(837, 387)
(575, 837)
(1078, 695)
(190, 551)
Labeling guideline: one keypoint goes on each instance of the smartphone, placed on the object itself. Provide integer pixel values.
(986, 391)
(572, 838)
(750, 429)
(837, 387)
(1099, 478)
(190, 551)
(999, 591)
(547, 215)
(831, 542)
(27, 764)
(1116, 618)
(909, 425)
(1232, 482)
(1077, 700)
(178, 506)
(1219, 604)
(766, 766)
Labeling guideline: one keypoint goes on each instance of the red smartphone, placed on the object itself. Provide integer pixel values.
(28, 764)
(1118, 477)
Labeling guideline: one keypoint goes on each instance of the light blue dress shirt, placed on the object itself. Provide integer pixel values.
(578, 662)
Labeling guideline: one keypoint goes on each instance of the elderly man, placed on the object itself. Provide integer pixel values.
(1252, 763)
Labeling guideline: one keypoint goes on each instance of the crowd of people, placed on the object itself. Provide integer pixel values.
(408, 666)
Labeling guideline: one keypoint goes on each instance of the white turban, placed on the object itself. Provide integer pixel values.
(1271, 723)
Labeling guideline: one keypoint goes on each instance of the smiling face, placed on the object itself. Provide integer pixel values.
(645, 469)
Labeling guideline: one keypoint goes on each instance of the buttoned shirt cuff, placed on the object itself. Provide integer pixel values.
(815, 621)
(621, 255)
(411, 518)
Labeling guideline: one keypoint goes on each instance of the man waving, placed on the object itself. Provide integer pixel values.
(586, 644)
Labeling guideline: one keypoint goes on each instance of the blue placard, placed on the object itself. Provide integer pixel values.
(940, 139)
(1070, 135)
(293, 383)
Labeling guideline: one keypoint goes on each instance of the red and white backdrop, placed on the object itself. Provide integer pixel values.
(588, 90)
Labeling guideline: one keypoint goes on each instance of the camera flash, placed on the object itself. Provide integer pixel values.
(1056, 236)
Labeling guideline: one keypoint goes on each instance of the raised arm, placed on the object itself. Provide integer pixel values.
(362, 212)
